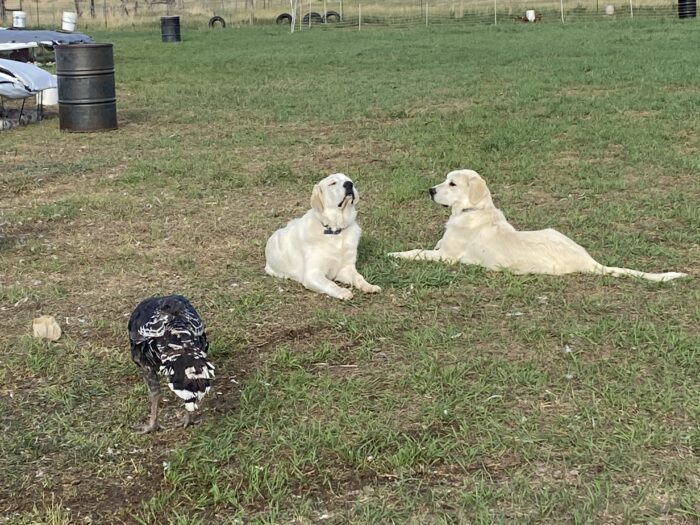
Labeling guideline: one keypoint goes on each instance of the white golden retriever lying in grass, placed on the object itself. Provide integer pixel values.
(477, 233)
(321, 246)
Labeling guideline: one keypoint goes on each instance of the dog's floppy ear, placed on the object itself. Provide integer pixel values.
(477, 190)
(317, 199)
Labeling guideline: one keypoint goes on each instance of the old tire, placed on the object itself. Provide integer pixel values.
(315, 17)
(333, 17)
(284, 18)
(216, 19)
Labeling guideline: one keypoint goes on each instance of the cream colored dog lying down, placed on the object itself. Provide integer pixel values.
(321, 246)
(477, 233)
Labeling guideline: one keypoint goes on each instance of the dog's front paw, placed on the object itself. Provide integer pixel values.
(371, 288)
(344, 294)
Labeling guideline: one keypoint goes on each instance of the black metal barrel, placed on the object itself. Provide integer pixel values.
(687, 9)
(170, 28)
(87, 99)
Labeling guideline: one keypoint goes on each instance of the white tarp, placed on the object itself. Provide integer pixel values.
(15, 46)
(21, 80)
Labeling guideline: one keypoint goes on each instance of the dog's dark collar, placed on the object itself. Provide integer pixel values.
(330, 231)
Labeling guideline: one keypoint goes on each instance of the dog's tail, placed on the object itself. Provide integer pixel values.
(657, 277)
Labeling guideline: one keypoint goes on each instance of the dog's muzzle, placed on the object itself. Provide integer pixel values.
(432, 192)
(349, 192)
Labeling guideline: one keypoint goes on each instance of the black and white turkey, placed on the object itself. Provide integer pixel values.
(167, 337)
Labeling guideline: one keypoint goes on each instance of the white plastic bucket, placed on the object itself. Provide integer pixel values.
(609, 9)
(48, 97)
(530, 15)
(19, 19)
(68, 21)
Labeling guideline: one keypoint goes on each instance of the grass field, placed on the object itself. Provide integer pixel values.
(457, 395)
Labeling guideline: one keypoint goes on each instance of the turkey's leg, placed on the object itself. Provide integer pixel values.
(154, 397)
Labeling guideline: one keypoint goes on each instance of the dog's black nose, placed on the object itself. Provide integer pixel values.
(348, 186)
(432, 193)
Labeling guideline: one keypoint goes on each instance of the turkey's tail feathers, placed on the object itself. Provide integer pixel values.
(190, 376)
(658, 277)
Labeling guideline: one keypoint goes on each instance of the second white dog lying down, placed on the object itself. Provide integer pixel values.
(321, 246)
(477, 233)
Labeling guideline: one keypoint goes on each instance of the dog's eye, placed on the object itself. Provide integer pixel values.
(452, 184)
(333, 183)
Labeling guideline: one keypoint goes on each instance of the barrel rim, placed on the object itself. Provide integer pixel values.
(71, 73)
(81, 45)
(85, 102)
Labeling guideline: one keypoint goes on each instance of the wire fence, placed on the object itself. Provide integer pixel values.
(301, 15)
